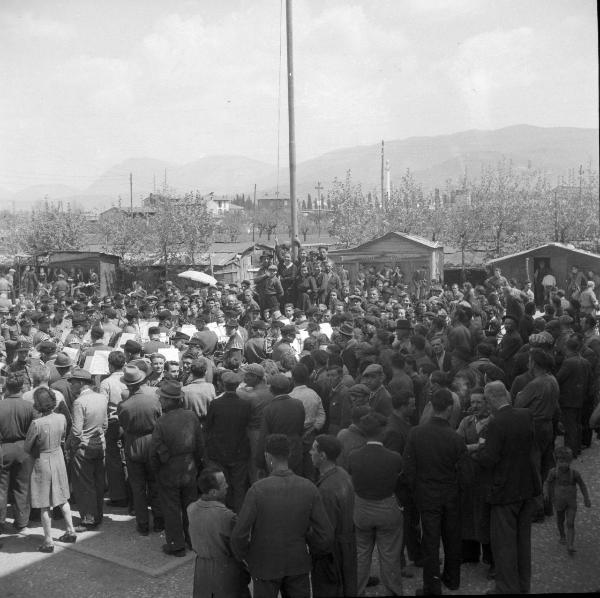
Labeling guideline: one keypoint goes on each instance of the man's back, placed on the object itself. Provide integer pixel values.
(434, 460)
(258, 397)
(282, 513)
(508, 452)
(284, 415)
(137, 416)
(90, 418)
(15, 417)
(176, 447)
(227, 429)
(197, 395)
(375, 471)
(574, 378)
(540, 396)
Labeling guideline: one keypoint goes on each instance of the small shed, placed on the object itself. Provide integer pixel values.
(559, 258)
(103, 264)
(415, 256)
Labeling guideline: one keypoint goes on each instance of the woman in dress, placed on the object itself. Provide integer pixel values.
(49, 483)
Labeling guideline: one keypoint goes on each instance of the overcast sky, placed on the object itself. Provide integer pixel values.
(86, 84)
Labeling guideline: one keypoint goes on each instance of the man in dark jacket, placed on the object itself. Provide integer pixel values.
(509, 346)
(435, 465)
(574, 379)
(334, 573)
(227, 442)
(15, 464)
(395, 436)
(176, 457)
(283, 415)
(138, 415)
(541, 397)
(507, 452)
(281, 515)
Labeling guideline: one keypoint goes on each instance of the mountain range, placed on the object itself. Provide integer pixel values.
(432, 160)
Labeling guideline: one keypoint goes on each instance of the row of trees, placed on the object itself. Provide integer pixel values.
(180, 228)
(503, 210)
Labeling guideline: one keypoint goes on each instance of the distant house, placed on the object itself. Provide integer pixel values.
(219, 205)
(273, 203)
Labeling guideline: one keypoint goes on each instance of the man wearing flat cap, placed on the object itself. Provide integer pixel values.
(87, 445)
(138, 415)
(176, 457)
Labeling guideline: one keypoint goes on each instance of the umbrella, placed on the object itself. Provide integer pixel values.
(200, 277)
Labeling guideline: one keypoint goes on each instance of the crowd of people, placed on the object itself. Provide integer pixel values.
(285, 427)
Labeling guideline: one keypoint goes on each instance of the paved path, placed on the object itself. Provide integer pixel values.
(116, 562)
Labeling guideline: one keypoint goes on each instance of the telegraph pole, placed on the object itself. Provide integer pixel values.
(291, 123)
(318, 189)
(131, 193)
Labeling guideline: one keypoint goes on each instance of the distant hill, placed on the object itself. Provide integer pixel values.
(435, 159)
(432, 160)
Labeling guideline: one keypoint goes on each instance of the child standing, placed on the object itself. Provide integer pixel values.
(561, 489)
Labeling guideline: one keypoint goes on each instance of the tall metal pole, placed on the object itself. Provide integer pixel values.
(131, 192)
(254, 212)
(382, 170)
(318, 189)
(291, 123)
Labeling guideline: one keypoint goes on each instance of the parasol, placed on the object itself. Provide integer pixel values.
(200, 277)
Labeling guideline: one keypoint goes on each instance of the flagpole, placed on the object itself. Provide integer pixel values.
(291, 124)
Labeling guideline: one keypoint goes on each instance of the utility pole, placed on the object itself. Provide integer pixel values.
(291, 124)
(130, 193)
(253, 212)
(382, 171)
(154, 183)
(318, 189)
(165, 183)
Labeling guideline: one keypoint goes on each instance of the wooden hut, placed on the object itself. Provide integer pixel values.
(559, 258)
(417, 258)
(103, 264)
